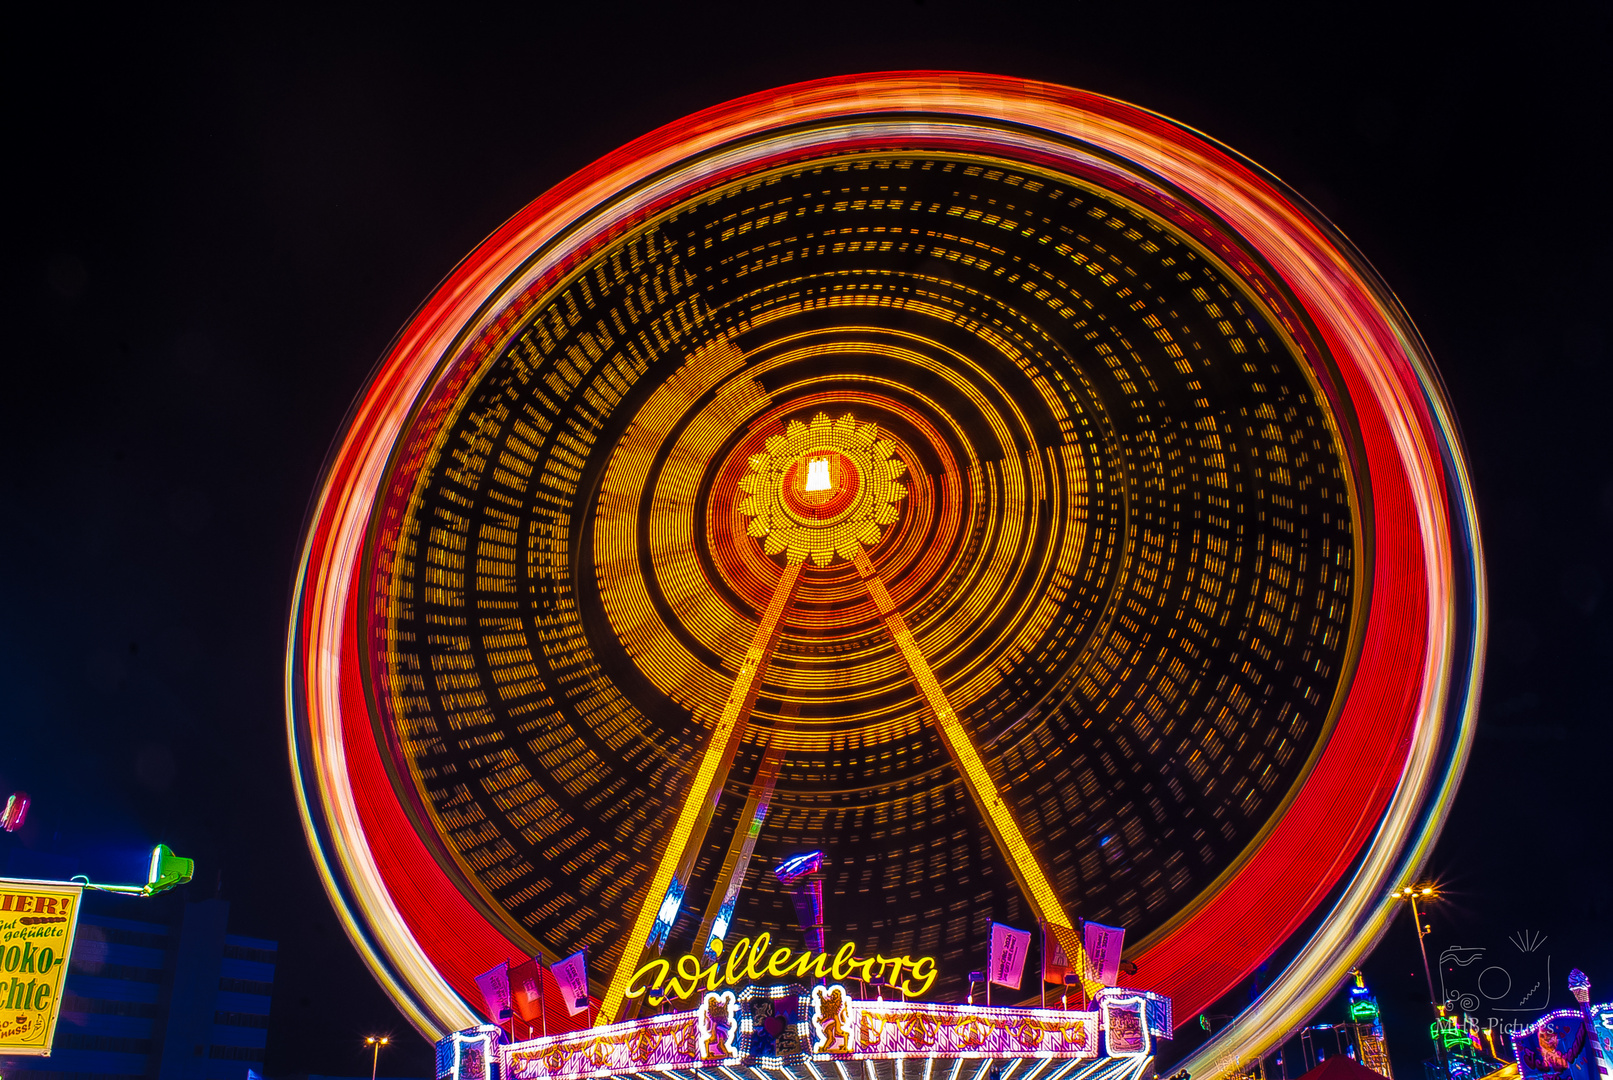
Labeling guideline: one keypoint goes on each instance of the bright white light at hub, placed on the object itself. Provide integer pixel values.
(818, 475)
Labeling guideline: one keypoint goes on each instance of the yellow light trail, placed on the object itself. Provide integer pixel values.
(999, 818)
(700, 799)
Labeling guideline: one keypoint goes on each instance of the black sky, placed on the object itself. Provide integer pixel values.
(219, 221)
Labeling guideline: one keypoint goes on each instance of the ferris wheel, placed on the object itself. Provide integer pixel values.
(1010, 496)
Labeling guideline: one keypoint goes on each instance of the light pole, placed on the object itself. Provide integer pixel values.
(1427, 893)
(376, 1041)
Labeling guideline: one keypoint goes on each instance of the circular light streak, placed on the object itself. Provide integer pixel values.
(1378, 781)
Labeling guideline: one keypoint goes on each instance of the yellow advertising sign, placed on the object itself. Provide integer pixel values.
(37, 922)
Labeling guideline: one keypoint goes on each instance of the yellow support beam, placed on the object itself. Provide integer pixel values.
(1033, 883)
(700, 799)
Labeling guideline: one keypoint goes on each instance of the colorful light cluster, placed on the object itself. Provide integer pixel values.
(1567, 1044)
(1378, 787)
(473, 1054)
(1125, 1025)
(886, 1029)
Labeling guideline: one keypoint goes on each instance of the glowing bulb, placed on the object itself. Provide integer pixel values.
(817, 478)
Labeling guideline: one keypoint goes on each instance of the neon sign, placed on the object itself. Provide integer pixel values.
(754, 960)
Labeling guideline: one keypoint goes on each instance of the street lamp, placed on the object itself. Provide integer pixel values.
(376, 1041)
(1427, 893)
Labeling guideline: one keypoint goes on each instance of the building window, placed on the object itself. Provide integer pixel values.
(236, 1053)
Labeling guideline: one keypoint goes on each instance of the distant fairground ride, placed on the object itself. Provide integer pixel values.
(1009, 493)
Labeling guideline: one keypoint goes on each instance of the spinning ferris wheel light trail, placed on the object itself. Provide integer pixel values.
(1009, 493)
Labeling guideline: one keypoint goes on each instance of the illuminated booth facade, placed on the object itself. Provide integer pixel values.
(1004, 497)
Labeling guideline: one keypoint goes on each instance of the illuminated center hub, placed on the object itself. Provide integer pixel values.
(819, 486)
(824, 489)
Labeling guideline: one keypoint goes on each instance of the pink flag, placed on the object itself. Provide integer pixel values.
(1008, 949)
(571, 975)
(494, 983)
(1103, 945)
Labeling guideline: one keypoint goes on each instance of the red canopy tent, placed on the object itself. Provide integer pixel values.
(1340, 1067)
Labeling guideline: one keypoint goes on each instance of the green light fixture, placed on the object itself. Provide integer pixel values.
(166, 871)
(1449, 1033)
(1364, 1011)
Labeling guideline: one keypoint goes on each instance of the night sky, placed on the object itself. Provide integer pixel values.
(217, 227)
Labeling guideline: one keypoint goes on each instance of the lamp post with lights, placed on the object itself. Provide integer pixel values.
(377, 1041)
(1427, 893)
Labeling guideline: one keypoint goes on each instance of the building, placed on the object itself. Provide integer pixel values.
(158, 988)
